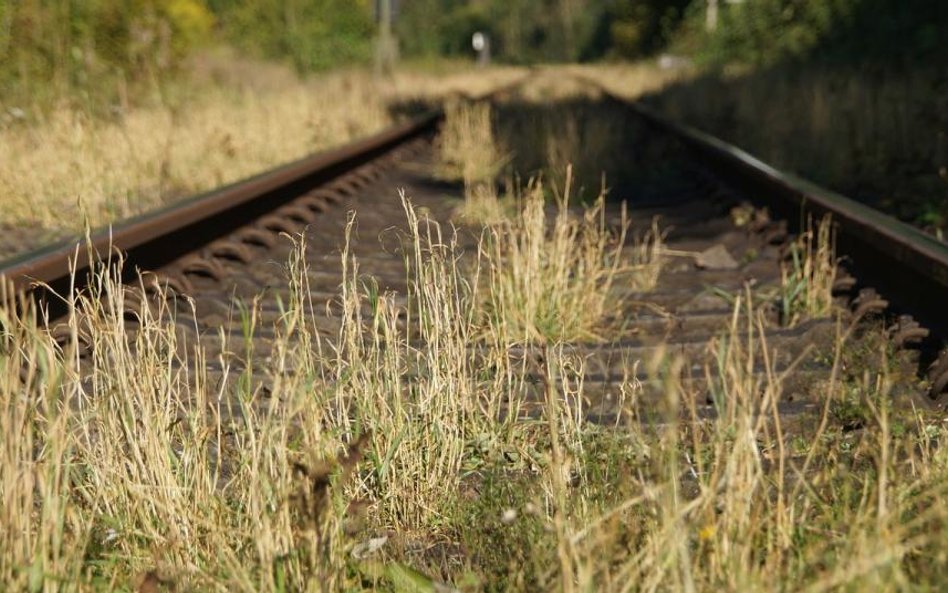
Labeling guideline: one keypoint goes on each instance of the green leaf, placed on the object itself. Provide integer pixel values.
(403, 579)
(36, 575)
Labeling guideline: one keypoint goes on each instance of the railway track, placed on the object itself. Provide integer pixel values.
(229, 247)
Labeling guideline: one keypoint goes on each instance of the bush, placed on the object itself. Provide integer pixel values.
(63, 47)
(765, 32)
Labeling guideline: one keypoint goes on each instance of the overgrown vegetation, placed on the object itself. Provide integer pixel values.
(72, 168)
(440, 438)
(65, 167)
(468, 151)
(551, 278)
(842, 63)
(132, 462)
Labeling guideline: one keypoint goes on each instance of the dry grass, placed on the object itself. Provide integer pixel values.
(230, 118)
(483, 205)
(467, 149)
(469, 152)
(559, 117)
(450, 80)
(130, 466)
(139, 465)
(729, 504)
(420, 427)
(644, 265)
(629, 81)
(551, 279)
(69, 168)
(133, 468)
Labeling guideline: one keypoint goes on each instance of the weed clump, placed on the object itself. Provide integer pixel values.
(467, 148)
(808, 276)
(551, 277)
(469, 152)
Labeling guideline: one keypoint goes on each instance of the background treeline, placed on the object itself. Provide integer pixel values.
(68, 40)
(526, 31)
(749, 31)
(68, 45)
(765, 32)
(78, 48)
(75, 47)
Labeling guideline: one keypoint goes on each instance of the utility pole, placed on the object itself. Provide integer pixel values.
(387, 49)
(711, 17)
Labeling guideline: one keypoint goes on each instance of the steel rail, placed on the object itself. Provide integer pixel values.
(155, 238)
(905, 265)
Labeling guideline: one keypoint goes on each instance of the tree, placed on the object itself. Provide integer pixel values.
(312, 34)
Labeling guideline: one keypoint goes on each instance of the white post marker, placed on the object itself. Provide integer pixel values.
(481, 44)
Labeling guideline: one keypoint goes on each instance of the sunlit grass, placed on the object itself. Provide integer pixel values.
(551, 277)
(415, 424)
(69, 168)
(416, 450)
(467, 149)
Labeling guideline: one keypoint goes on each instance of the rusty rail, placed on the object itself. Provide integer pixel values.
(152, 239)
(155, 238)
(908, 267)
